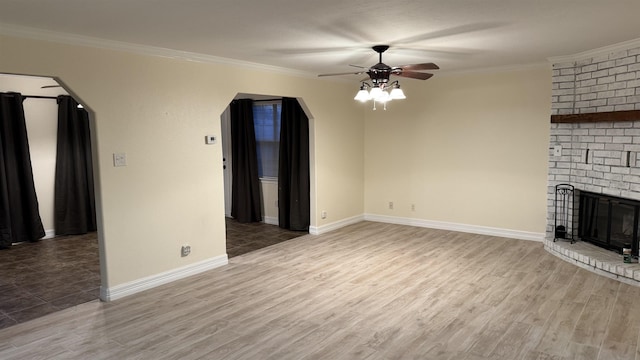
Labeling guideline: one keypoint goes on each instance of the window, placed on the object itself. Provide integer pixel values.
(266, 122)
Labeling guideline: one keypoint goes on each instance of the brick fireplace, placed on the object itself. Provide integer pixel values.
(595, 127)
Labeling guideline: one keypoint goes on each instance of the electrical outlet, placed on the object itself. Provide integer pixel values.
(185, 250)
(210, 139)
(323, 214)
(557, 150)
(413, 207)
(391, 205)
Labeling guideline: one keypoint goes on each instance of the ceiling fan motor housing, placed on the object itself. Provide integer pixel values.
(379, 74)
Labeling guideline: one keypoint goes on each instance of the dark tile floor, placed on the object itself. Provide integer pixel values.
(243, 238)
(47, 276)
(54, 274)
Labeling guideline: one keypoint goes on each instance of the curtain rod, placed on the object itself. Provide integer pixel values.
(39, 97)
(265, 100)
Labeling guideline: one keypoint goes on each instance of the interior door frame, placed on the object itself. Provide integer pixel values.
(227, 160)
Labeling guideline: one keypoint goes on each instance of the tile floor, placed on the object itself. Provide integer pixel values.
(46, 276)
(54, 274)
(244, 238)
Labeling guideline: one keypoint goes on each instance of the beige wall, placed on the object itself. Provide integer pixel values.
(41, 116)
(465, 149)
(157, 111)
(269, 200)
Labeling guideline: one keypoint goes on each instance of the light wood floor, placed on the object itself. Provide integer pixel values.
(367, 291)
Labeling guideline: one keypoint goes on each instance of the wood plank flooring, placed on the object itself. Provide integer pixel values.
(367, 291)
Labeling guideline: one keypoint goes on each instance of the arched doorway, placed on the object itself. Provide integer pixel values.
(56, 272)
(266, 128)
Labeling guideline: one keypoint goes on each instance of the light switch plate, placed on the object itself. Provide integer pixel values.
(119, 159)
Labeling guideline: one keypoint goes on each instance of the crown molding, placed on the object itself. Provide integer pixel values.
(605, 50)
(81, 40)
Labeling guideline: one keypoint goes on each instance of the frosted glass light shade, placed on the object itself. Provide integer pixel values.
(362, 95)
(397, 94)
(375, 93)
(383, 97)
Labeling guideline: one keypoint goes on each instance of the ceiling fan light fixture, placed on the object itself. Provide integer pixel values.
(375, 93)
(397, 93)
(362, 95)
(383, 97)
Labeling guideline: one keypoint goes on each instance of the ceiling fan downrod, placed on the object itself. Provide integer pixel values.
(380, 49)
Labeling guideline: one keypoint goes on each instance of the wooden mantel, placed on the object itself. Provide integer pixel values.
(611, 116)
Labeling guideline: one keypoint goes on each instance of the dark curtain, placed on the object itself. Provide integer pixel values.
(245, 188)
(19, 214)
(293, 167)
(74, 203)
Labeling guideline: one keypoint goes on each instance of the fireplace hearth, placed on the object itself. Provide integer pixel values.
(609, 222)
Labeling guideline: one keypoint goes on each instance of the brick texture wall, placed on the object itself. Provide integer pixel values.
(606, 83)
(601, 157)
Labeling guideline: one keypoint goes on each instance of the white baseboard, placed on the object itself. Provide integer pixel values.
(317, 230)
(270, 220)
(49, 234)
(136, 286)
(474, 229)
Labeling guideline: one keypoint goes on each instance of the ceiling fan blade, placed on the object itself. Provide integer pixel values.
(344, 73)
(425, 66)
(50, 86)
(357, 66)
(414, 75)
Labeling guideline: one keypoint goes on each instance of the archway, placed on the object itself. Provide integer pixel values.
(58, 271)
(266, 125)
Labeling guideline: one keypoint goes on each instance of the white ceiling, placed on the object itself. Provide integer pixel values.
(328, 35)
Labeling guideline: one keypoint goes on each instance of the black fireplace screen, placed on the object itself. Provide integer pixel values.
(609, 222)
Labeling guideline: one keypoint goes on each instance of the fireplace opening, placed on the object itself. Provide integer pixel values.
(609, 222)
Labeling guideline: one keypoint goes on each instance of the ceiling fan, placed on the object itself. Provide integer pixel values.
(379, 73)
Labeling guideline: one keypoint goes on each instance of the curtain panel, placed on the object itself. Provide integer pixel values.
(74, 209)
(293, 168)
(19, 213)
(245, 188)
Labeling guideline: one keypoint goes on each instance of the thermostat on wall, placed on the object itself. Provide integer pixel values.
(210, 139)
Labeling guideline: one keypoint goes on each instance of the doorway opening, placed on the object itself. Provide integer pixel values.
(272, 225)
(56, 271)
